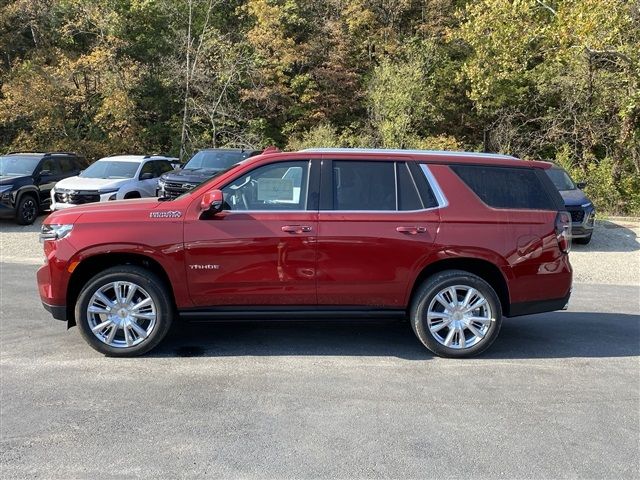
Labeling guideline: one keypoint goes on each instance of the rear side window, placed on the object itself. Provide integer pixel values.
(380, 186)
(364, 185)
(505, 187)
(67, 165)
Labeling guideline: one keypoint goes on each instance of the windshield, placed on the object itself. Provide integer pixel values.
(215, 159)
(561, 179)
(18, 164)
(111, 169)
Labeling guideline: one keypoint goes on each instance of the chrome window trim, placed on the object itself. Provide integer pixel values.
(435, 186)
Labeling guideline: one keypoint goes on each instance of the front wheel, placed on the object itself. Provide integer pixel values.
(124, 311)
(456, 314)
(27, 210)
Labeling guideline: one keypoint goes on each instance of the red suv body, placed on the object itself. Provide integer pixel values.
(452, 241)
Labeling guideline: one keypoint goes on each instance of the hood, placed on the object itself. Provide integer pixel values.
(9, 179)
(82, 183)
(195, 176)
(574, 198)
(126, 209)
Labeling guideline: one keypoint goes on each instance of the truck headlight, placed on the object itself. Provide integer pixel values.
(4, 189)
(55, 231)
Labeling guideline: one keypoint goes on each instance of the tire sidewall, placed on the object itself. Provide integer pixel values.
(21, 204)
(145, 280)
(426, 295)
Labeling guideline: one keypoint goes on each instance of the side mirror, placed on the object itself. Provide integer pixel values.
(212, 202)
(146, 176)
(581, 185)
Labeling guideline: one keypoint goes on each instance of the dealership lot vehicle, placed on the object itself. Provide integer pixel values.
(201, 167)
(581, 209)
(453, 241)
(111, 178)
(26, 180)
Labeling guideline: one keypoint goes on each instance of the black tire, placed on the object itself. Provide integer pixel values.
(584, 240)
(27, 209)
(131, 195)
(427, 293)
(151, 284)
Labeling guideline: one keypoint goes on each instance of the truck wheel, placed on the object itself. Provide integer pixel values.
(124, 311)
(456, 314)
(27, 209)
(583, 241)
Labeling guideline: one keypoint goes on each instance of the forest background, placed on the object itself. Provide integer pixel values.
(554, 80)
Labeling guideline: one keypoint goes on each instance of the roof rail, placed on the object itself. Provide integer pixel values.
(407, 151)
(17, 152)
(270, 150)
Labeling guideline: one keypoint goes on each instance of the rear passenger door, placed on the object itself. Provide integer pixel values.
(377, 224)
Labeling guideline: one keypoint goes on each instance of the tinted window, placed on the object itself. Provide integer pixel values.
(148, 168)
(279, 186)
(66, 164)
(163, 166)
(408, 196)
(560, 179)
(52, 165)
(502, 187)
(364, 186)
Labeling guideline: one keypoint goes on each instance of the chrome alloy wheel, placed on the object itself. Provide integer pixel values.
(459, 317)
(121, 314)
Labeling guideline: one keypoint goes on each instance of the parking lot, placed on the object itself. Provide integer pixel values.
(557, 395)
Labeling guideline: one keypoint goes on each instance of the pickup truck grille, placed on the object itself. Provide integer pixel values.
(577, 215)
(175, 189)
(75, 197)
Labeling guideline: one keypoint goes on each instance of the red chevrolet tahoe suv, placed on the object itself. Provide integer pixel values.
(450, 241)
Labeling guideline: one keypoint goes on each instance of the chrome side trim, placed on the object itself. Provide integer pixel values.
(435, 187)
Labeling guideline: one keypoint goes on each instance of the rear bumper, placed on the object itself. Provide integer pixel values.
(539, 306)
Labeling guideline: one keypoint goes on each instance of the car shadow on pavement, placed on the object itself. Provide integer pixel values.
(552, 335)
(568, 335)
(305, 338)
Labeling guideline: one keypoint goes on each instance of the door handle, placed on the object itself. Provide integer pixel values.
(296, 228)
(411, 230)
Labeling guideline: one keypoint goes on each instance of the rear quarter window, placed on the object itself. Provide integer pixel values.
(506, 187)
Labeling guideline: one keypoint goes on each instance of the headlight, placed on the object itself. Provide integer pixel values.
(54, 232)
(108, 190)
(161, 183)
(585, 205)
(5, 188)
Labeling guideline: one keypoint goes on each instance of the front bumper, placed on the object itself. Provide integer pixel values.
(582, 221)
(59, 312)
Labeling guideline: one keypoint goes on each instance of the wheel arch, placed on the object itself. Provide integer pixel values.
(95, 264)
(484, 269)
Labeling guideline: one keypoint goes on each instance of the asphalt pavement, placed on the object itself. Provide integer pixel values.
(557, 396)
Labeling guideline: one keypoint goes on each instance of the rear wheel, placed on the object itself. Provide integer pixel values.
(456, 314)
(124, 311)
(27, 210)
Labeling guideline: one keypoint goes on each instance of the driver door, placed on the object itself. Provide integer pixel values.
(261, 248)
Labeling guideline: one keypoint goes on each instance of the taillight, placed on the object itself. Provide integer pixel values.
(563, 231)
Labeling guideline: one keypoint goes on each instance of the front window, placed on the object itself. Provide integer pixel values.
(215, 159)
(111, 169)
(279, 186)
(18, 164)
(561, 179)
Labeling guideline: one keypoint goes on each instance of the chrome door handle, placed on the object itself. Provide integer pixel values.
(411, 230)
(296, 228)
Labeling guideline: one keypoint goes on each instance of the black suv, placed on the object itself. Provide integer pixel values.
(202, 166)
(26, 180)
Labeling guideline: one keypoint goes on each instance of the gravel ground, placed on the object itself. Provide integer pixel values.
(612, 257)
